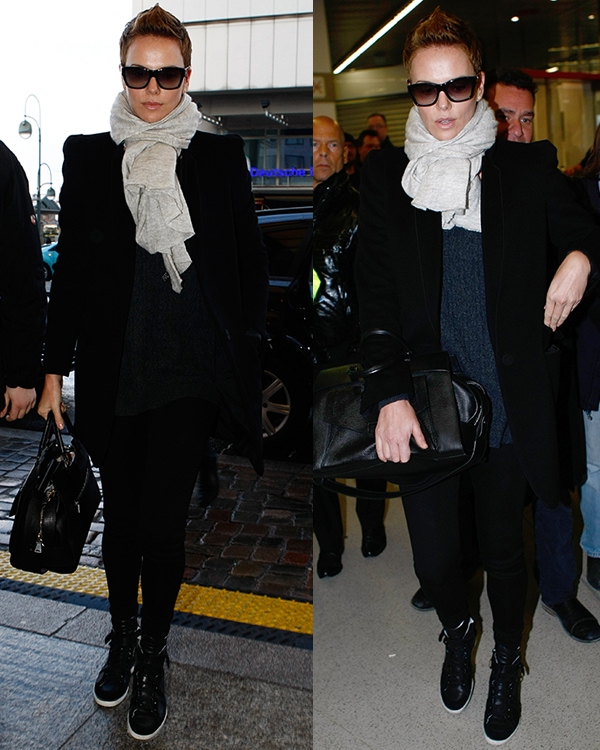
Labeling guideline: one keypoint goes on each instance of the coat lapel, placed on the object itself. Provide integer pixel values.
(493, 229)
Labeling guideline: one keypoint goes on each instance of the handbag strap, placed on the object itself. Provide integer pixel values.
(374, 369)
(53, 434)
(334, 486)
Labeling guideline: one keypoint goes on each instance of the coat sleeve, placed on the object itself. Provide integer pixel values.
(570, 225)
(252, 254)
(22, 290)
(66, 298)
(379, 293)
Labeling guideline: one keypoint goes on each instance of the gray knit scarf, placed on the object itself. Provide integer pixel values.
(152, 188)
(444, 175)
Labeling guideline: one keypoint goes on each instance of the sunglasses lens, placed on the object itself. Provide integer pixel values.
(135, 78)
(423, 94)
(170, 78)
(461, 89)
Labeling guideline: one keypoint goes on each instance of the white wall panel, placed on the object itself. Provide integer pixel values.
(304, 64)
(284, 52)
(198, 38)
(216, 57)
(194, 10)
(261, 71)
(238, 8)
(238, 58)
(262, 7)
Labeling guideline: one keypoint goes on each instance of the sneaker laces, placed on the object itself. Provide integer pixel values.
(148, 682)
(120, 654)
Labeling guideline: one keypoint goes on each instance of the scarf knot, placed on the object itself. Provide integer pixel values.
(444, 175)
(152, 190)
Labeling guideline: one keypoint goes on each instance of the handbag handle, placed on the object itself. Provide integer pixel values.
(52, 433)
(374, 369)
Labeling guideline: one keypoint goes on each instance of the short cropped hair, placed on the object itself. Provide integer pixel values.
(361, 138)
(156, 22)
(443, 30)
(510, 77)
(377, 114)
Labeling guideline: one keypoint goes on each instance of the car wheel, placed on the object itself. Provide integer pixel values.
(47, 272)
(285, 408)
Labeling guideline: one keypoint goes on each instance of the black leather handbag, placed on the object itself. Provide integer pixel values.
(55, 507)
(454, 413)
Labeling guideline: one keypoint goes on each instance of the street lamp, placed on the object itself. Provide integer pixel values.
(25, 131)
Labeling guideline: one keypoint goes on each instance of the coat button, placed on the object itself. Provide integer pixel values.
(507, 359)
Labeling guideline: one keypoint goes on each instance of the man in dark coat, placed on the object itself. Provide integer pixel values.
(22, 291)
(335, 326)
(511, 93)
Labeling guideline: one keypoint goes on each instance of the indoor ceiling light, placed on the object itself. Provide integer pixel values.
(514, 19)
(377, 35)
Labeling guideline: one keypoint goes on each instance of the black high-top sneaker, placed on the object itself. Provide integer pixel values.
(113, 680)
(148, 708)
(456, 684)
(503, 707)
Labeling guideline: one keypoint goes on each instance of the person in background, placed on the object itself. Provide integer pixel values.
(511, 94)
(446, 270)
(335, 329)
(378, 123)
(22, 291)
(586, 185)
(168, 331)
(367, 141)
(352, 166)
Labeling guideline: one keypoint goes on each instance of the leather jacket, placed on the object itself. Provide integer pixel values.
(335, 315)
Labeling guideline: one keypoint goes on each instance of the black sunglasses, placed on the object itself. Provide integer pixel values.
(457, 90)
(166, 78)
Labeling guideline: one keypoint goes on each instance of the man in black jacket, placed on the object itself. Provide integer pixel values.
(22, 292)
(335, 326)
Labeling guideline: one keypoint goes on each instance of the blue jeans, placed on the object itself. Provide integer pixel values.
(590, 491)
(555, 554)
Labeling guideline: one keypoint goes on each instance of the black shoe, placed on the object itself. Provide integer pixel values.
(593, 572)
(503, 707)
(374, 541)
(148, 708)
(113, 680)
(456, 684)
(420, 602)
(329, 564)
(207, 486)
(578, 621)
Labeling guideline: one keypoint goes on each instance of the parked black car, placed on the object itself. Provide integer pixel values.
(287, 379)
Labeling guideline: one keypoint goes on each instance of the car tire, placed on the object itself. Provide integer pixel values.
(285, 407)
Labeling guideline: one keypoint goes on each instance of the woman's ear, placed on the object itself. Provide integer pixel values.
(480, 86)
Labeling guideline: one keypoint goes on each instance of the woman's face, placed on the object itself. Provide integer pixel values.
(445, 119)
(152, 103)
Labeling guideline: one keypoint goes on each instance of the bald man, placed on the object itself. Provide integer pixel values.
(335, 328)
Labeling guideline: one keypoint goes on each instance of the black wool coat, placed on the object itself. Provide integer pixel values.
(92, 286)
(525, 205)
(22, 290)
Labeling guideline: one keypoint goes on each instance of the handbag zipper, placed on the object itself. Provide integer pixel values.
(48, 497)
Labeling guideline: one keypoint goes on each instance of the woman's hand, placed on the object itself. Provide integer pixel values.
(17, 402)
(566, 288)
(397, 422)
(51, 399)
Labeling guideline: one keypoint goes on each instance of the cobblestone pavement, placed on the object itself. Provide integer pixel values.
(255, 537)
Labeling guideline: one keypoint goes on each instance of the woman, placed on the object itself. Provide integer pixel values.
(452, 255)
(164, 297)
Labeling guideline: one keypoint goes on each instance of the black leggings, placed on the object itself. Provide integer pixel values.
(148, 478)
(500, 489)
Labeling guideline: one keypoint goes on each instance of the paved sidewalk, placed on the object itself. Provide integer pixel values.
(255, 537)
(229, 687)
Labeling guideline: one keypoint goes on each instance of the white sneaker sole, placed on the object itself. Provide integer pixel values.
(143, 737)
